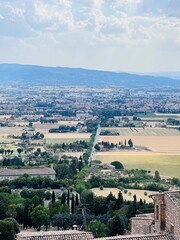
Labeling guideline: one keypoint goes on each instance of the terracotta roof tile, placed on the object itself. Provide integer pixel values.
(140, 237)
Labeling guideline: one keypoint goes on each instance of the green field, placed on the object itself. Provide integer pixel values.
(153, 115)
(8, 146)
(167, 165)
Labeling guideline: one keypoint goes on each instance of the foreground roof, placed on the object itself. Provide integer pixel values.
(140, 237)
(175, 197)
(56, 235)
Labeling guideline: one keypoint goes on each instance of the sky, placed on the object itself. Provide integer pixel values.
(115, 35)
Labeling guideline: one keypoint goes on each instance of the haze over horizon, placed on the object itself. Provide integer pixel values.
(127, 35)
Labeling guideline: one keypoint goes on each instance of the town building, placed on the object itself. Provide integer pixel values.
(11, 174)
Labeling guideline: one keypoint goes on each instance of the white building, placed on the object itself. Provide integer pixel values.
(11, 174)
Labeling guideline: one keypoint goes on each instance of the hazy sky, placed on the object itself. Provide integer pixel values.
(122, 35)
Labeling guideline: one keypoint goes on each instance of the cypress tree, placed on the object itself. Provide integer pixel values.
(72, 204)
(63, 198)
(134, 206)
(140, 203)
(119, 201)
(26, 214)
(53, 197)
(68, 197)
(77, 200)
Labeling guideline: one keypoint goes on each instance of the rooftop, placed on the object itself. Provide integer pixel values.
(29, 171)
(62, 235)
(175, 197)
(140, 237)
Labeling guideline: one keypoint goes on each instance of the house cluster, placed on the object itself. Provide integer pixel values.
(72, 104)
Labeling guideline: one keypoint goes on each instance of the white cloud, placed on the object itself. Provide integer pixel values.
(84, 24)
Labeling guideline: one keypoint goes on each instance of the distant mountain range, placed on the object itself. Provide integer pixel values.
(173, 75)
(26, 75)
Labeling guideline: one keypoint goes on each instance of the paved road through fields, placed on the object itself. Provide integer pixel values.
(91, 157)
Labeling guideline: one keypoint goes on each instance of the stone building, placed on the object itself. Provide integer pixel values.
(166, 217)
(140, 237)
(11, 174)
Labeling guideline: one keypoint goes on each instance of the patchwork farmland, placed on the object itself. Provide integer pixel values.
(154, 149)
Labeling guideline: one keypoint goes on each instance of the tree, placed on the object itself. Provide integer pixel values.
(110, 197)
(11, 212)
(80, 164)
(98, 229)
(7, 230)
(120, 200)
(60, 220)
(116, 226)
(140, 203)
(53, 197)
(47, 195)
(35, 201)
(2, 151)
(99, 205)
(68, 197)
(15, 224)
(54, 208)
(63, 198)
(72, 204)
(19, 150)
(64, 208)
(62, 170)
(130, 143)
(39, 216)
(20, 213)
(30, 124)
(97, 147)
(77, 200)
(134, 206)
(118, 165)
(3, 209)
(26, 217)
(157, 176)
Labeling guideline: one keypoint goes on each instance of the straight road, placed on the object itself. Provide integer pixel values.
(91, 157)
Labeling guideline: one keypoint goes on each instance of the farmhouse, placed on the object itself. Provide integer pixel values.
(12, 174)
(162, 225)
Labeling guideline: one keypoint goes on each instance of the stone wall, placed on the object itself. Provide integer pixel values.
(172, 217)
(142, 225)
(160, 212)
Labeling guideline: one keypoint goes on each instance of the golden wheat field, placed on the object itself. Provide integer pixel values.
(6, 131)
(155, 149)
(127, 196)
(77, 136)
(158, 144)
